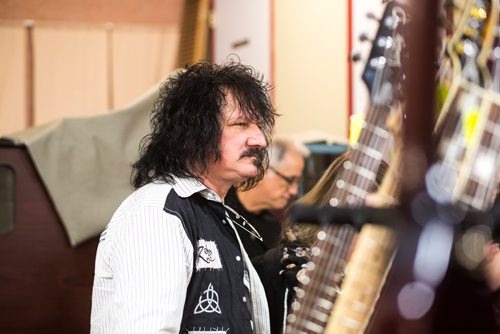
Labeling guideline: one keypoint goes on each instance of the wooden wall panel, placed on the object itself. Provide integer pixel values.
(12, 72)
(70, 71)
(142, 53)
(131, 11)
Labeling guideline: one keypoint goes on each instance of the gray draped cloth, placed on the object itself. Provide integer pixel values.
(85, 163)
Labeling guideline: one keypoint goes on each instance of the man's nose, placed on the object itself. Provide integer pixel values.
(257, 137)
(293, 189)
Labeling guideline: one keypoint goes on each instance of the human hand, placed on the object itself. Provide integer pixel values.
(294, 263)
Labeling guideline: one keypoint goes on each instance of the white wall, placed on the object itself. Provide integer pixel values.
(243, 28)
(311, 66)
(301, 46)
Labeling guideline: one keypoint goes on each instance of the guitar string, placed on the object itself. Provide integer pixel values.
(365, 138)
(336, 233)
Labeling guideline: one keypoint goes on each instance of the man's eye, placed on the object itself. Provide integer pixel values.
(241, 124)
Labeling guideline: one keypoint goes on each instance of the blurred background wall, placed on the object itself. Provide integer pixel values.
(78, 58)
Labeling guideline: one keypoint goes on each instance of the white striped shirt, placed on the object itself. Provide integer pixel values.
(144, 264)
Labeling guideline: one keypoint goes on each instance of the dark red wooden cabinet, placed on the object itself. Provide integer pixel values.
(45, 283)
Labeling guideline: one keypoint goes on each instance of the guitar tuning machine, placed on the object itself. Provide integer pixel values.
(364, 37)
(371, 16)
(355, 56)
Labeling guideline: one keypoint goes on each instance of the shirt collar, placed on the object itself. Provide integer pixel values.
(186, 187)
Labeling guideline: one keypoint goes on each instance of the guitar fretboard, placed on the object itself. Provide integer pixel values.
(451, 134)
(477, 181)
(360, 171)
(316, 297)
(365, 276)
(370, 262)
(319, 289)
(320, 284)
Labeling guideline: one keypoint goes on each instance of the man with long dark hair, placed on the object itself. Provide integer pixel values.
(170, 260)
(265, 205)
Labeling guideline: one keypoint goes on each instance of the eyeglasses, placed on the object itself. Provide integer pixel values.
(290, 180)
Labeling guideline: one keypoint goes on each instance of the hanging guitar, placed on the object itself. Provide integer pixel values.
(478, 177)
(316, 296)
(375, 249)
(457, 122)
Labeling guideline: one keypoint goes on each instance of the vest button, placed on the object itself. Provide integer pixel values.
(238, 258)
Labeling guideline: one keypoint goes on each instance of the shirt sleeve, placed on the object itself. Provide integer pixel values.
(142, 273)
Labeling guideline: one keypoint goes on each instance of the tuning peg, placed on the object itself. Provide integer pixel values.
(364, 37)
(371, 16)
(355, 56)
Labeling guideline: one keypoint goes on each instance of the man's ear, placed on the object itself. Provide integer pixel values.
(492, 250)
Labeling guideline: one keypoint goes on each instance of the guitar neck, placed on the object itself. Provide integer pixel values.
(468, 146)
(488, 43)
(366, 155)
(316, 297)
(457, 136)
(477, 34)
(311, 310)
(320, 284)
(477, 182)
(370, 263)
(366, 273)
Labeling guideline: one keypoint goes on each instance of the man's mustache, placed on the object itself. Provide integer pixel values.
(256, 152)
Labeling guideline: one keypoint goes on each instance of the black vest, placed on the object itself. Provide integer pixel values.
(217, 299)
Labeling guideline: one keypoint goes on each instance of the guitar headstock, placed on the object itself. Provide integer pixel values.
(470, 44)
(384, 60)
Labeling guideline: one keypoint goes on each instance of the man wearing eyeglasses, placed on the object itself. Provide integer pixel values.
(263, 205)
